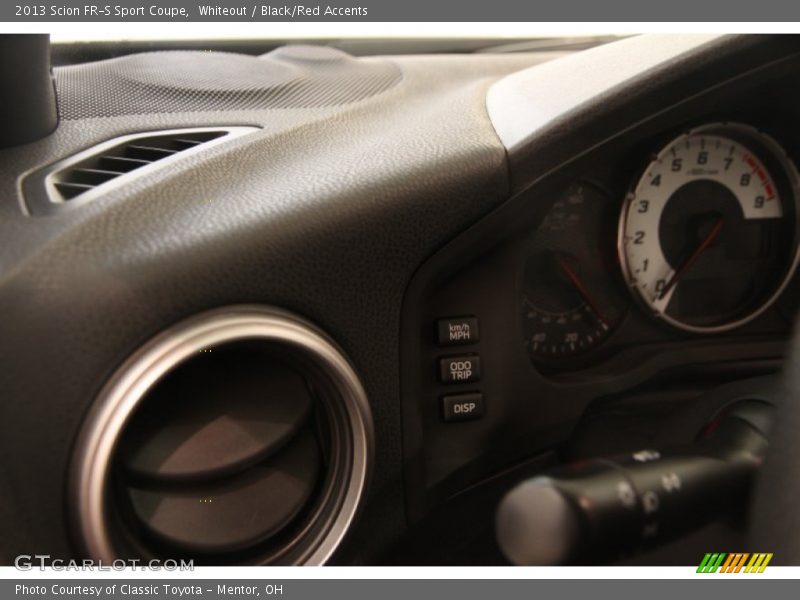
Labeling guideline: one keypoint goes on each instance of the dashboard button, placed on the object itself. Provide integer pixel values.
(460, 369)
(454, 331)
(462, 407)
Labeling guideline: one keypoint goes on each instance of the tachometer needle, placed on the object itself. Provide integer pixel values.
(680, 271)
(582, 289)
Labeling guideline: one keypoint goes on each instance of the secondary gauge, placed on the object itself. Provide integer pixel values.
(708, 236)
(569, 302)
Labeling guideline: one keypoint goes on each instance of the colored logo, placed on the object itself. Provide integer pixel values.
(737, 562)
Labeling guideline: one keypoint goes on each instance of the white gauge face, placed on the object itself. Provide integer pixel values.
(707, 228)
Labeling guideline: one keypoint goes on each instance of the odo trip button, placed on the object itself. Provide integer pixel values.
(462, 407)
(460, 369)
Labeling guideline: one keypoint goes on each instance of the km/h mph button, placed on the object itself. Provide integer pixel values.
(460, 369)
(463, 330)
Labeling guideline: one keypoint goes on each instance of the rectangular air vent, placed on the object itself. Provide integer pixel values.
(84, 176)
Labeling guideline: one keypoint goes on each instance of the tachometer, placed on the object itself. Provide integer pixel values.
(708, 236)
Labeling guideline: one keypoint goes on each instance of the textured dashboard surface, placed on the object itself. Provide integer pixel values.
(169, 82)
(325, 212)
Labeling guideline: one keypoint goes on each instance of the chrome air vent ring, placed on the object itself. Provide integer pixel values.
(95, 513)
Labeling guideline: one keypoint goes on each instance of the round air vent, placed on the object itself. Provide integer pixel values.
(240, 436)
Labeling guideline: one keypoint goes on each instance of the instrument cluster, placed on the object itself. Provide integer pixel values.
(704, 242)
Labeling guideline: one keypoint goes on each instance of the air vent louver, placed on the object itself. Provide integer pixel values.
(82, 177)
(224, 454)
(96, 170)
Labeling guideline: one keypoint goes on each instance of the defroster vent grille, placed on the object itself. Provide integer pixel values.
(83, 177)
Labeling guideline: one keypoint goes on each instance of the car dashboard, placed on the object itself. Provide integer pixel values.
(447, 273)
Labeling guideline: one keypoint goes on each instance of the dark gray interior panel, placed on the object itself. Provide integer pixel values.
(325, 211)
